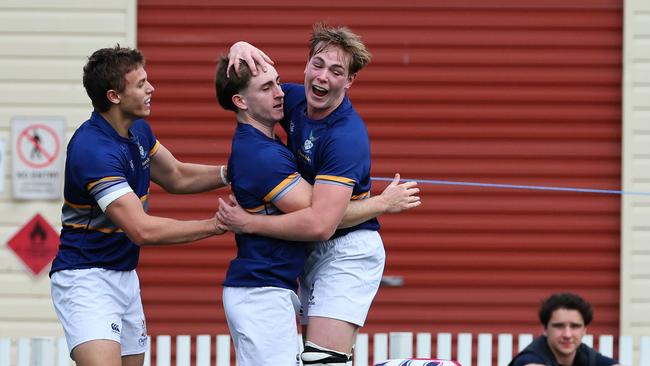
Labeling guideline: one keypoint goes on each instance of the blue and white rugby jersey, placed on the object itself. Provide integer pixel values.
(101, 166)
(334, 150)
(262, 170)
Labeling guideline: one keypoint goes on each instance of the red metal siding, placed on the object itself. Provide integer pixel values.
(485, 91)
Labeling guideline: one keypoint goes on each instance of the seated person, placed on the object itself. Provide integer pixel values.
(565, 317)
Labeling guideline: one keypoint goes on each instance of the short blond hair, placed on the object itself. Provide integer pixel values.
(324, 36)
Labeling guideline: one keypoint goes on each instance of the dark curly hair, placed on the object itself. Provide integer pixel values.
(567, 300)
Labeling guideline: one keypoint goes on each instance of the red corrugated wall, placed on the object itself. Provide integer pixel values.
(496, 91)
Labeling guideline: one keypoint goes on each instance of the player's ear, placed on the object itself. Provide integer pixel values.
(113, 96)
(350, 80)
(239, 102)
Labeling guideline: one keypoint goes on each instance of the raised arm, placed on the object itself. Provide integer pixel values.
(178, 177)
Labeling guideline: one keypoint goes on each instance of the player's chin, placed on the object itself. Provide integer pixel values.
(145, 112)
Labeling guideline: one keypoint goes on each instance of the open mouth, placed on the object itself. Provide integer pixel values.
(278, 106)
(319, 91)
(147, 102)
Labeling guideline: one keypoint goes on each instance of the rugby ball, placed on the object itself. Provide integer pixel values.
(418, 362)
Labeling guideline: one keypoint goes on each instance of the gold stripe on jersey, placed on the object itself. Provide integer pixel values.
(100, 229)
(256, 210)
(360, 196)
(154, 149)
(282, 185)
(335, 179)
(90, 185)
(74, 205)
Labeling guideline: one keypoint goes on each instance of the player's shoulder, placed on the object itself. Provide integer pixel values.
(293, 89)
(88, 138)
(251, 145)
(90, 145)
(141, 126)
(346, 118)
(527, 358)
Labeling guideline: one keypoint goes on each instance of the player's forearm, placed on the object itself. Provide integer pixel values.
(302, 225)
(360, 211)
(195, 178)
(165, 231)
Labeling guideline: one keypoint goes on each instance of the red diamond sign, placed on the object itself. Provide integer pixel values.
(35, 244)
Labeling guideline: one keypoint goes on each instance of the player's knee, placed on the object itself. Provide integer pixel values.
(316, 355)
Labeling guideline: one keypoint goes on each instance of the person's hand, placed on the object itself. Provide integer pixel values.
(232, 216)
(251, 55)
(219, 228)
(400, 197)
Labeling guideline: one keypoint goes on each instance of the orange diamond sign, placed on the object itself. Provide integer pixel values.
(35, 244)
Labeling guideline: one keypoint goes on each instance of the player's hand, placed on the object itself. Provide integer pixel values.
(251, 55)
(400, 197)
(219, 228)
(232, 216)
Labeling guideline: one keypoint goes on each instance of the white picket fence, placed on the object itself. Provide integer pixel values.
(43, 351)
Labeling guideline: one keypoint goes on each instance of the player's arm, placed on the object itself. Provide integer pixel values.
(316, 222)
(179, 177)
(127, 213)
(396, 197)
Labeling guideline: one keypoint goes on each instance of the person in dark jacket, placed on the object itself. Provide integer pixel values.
(565, 317)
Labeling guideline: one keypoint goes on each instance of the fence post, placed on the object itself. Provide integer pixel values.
(606, 345)
(443, 346)
(223, 350)
(163, 350)
(644, 349)
(484, 350)
(465, 349)
(361, 350)
(625, 350)
(23, 352)
(62, 354)
(504, 353)
(203, 350)
(588, 339)
(5, 351)
(524, 340)
(183, 351)
(423, 345)
(380, 351)
(42, 351)
(400, 345)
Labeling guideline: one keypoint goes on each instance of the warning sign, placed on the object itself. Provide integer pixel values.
(37, 158)
(35, 244)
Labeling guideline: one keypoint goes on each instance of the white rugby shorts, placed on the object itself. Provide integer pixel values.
(262, 323)
(97, 303)
(342, 276)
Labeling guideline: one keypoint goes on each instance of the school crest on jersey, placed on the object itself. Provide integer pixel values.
(305, 153)
(144, 156)
(309, 142)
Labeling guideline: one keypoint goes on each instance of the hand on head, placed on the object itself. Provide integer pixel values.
(252, 56)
